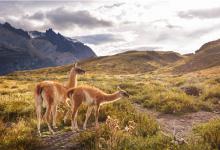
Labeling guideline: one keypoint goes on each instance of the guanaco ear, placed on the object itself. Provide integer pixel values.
(75, 65)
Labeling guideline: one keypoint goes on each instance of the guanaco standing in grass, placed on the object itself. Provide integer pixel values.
(93, 97)
(51, 94)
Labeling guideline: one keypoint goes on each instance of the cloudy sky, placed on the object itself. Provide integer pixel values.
(110, 27)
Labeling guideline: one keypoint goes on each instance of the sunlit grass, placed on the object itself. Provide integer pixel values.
(161, 92)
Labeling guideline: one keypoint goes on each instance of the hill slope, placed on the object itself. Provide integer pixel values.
(20, 50)
(128, 62)
(207, 56)
(162, 93)
(132, 62)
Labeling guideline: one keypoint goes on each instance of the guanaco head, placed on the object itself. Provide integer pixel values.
(123, 93)
(77, 70)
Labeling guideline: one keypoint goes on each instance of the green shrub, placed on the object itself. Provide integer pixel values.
(18, 136)
(209, 133)
(109, 137)
(16, 105)
(212, 93)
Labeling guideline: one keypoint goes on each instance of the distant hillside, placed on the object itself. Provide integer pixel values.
(22, 50)
(207, 56)
(131, 62)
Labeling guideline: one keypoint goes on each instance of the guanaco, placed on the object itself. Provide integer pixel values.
(93, 97)
(52, 93)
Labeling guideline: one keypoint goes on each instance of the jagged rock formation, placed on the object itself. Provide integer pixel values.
(22, 50)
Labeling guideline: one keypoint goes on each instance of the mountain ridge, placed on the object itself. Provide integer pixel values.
(20, 50)
(208, 55)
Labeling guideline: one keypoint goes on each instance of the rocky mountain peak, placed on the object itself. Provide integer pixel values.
(50, 32)
(22, 50)
(21, 32)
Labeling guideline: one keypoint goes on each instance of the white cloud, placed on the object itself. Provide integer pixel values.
(109, 26)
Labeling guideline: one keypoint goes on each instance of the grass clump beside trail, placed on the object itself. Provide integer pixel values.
(209, 133)
(166, 95)
(16, 106)
(124, 128)
(163, 95)
(17, 117)
(113, 135)
(213, 94)
(205, 136)
(18, 135)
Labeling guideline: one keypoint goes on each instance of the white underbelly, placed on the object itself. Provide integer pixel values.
(88, 99)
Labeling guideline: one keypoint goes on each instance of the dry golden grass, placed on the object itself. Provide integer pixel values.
(159, 90)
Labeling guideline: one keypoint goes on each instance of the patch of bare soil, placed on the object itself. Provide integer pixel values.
(59, 141)
(62, 140)
(179, 126)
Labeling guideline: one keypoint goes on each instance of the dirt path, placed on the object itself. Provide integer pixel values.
(181, 125)
(59, 141)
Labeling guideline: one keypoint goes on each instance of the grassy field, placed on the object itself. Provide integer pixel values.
(158, 90)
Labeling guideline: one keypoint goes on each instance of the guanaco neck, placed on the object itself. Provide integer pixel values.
(111, 97)
(72, 81)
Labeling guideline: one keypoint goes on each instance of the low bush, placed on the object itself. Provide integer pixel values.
(113, 136)
(192, 90)
(18, 136)
(15, 106)
(212, 93)
(209, 133)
